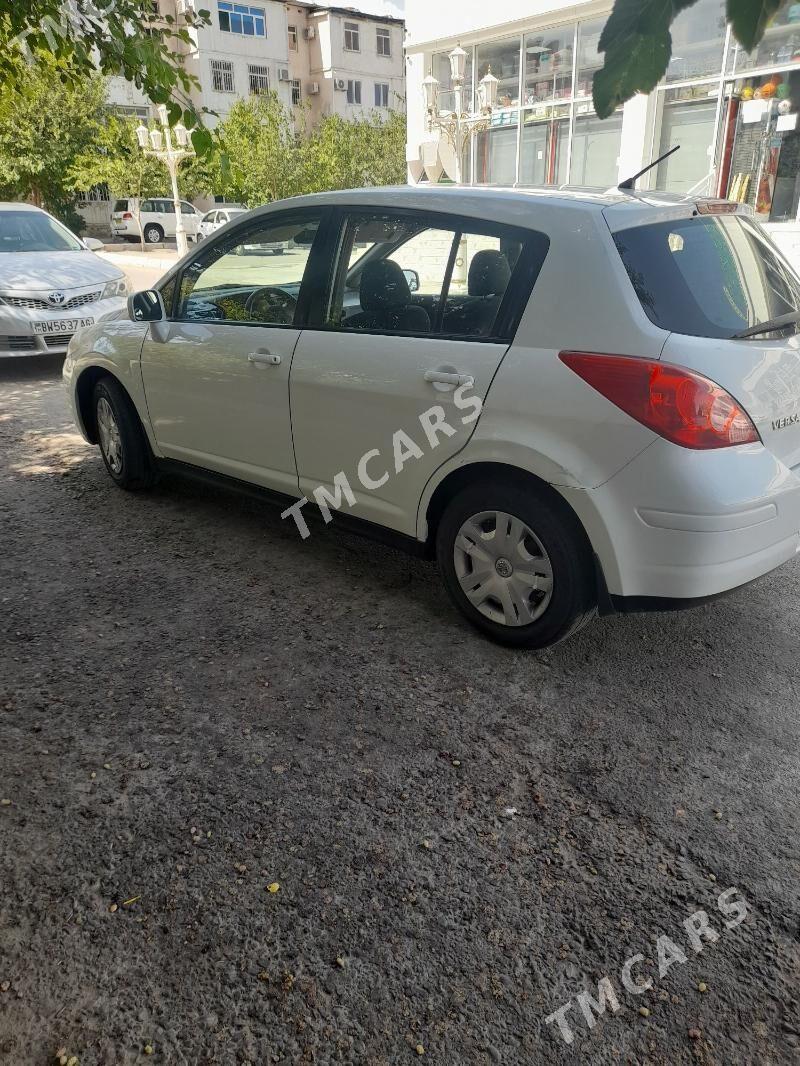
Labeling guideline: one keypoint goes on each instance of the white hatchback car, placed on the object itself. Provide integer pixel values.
(51, 282)
(577, 400)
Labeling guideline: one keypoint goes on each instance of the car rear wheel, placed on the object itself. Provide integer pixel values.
(153, 234)
(516, 564)
(121, 437)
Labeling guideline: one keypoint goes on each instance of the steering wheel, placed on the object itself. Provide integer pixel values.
(278, 305)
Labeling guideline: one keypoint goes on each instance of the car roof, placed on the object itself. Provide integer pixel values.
(8, 205)
(501, 204)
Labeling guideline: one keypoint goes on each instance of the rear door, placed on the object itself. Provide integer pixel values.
(705, 277)
(387, 386)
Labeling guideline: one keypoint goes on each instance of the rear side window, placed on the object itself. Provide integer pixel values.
(121, 205)
(707, 276)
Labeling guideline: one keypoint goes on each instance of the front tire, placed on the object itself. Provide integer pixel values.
(516, 563)
(123, 445)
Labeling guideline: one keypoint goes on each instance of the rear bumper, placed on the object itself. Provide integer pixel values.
(676, 525)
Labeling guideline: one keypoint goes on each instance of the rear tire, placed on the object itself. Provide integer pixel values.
(123, 444)
(153, 234)
(516, 563)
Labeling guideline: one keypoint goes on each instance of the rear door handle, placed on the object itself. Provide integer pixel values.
(441, 377)
(263, 359)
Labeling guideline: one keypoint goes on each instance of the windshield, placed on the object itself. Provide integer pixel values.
(34, 231)
(707, 276)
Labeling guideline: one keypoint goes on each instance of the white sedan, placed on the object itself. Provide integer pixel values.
(574, 401)
(216, 219)
(51, 283)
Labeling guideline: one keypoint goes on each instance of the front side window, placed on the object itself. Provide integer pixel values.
(381, 95)
(241, 18)
(384, 41)
(351, 37)
(402, 274)
(259, 79)
(707, 276)
(222, 75)
(251, 276)
(354, 92)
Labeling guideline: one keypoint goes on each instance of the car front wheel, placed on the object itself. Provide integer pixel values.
(516, 563)
(121, 437)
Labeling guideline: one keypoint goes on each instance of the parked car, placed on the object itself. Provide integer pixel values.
(155, 216)
(590, 402)
(51, 282)
(214, 220)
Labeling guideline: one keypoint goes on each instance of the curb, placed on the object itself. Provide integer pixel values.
(162, 262)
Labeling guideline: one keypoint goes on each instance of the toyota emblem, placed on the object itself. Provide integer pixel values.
(56, 298)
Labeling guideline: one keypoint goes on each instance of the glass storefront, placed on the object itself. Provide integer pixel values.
(735, 115)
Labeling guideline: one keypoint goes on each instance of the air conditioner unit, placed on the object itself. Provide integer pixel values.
(309, 33)
(313, 89)
(283, 74)
(339, 84)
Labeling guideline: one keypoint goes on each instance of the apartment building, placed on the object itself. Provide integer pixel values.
(319, 60)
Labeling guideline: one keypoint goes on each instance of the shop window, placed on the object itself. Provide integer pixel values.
(779, 47)
(590, 60)
(503, 58)
(496, 160)
(548, 65)
(688, 121)
(545, 136)
(595, 150)
(698, 41)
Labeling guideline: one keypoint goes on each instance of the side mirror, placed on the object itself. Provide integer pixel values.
(412, 277)
(146, 306)
(92, 244)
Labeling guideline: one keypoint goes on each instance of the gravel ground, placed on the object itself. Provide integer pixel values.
(195, 705)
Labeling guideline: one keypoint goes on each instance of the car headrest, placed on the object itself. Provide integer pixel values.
(383, 286)
(489, 273)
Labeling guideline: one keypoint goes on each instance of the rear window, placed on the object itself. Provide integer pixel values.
(121, 205)
(707, 276)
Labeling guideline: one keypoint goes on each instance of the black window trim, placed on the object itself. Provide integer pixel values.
(515, 299)
(311, 292)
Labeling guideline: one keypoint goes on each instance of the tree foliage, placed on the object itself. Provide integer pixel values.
(73, 39)
(637, 43)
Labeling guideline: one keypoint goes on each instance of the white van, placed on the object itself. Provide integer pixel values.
(157, 219)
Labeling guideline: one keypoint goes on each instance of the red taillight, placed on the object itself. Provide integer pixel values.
(674, 402)
(127, 214)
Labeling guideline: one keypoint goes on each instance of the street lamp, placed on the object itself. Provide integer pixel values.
(158, 142)
(459, 125)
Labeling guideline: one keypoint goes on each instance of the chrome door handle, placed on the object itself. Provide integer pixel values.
(441, 377)
(263, 359)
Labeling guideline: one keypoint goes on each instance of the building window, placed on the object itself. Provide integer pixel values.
(240, 18)
(381, 95)
(297, 92)
(351, 37)
(293, 38)
(384, 41)
(222, 76)
(259, 79)
(354, 92)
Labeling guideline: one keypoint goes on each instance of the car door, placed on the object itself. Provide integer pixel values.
(388, 385)
(191, 218)
(216, 374)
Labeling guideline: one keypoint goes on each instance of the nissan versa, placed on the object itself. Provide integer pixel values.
(636, 356)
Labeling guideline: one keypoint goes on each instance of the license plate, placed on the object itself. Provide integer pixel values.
(62, 325)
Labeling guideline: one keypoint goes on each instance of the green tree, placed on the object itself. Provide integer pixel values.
(638, 45)
(349, 155)
(44, 125)
(259, 152)
(70, 40)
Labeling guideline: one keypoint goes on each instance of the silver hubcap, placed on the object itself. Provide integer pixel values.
(110, 439)
(503, 568)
